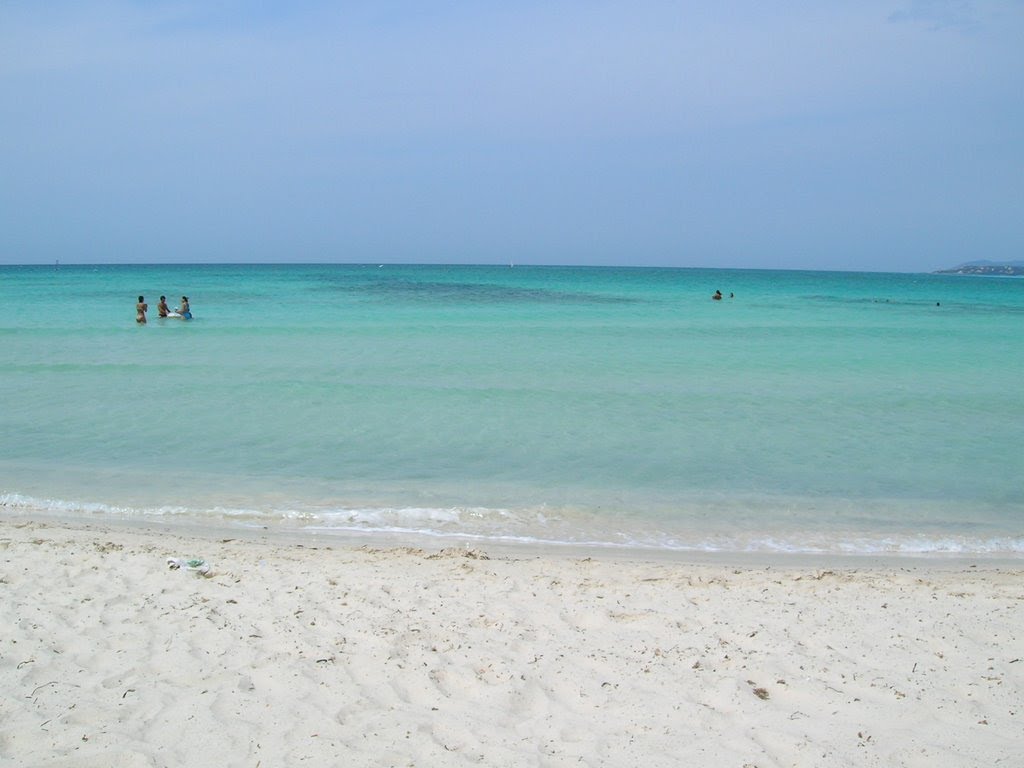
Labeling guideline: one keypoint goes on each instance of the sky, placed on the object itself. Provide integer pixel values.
(847, 135)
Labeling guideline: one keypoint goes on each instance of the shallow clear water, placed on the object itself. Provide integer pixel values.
(812, 412)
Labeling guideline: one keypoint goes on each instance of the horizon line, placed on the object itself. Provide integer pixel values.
(492, 265)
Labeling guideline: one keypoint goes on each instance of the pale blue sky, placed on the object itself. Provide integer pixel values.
(838, 135)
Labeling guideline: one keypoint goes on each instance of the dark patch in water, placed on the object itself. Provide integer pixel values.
(467, 293)
(917, 303)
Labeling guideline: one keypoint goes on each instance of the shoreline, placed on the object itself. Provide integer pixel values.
(285, 532)
(402, 655)
(512, 547)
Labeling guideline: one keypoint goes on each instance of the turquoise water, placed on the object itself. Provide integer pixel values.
(813, 412)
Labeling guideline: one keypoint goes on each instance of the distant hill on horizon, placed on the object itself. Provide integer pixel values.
(983, 267)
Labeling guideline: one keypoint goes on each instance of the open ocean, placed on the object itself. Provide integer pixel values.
(814, 412)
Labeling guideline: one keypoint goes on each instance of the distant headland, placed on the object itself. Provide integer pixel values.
(997, 268)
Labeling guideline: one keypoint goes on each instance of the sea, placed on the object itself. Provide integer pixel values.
(620, 408)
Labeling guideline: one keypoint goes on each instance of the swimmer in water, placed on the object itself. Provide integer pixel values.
(140, 311)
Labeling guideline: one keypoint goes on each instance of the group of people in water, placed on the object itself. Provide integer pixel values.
(183, 312)
(717, 296)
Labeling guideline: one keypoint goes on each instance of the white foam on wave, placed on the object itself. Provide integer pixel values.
(404, 516)
(60, 507)
(538, 526)
(16, 501)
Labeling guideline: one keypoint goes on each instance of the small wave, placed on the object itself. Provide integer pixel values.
(16, 502)
(537, 527)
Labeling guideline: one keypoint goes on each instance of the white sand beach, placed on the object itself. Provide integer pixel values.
(328, 654)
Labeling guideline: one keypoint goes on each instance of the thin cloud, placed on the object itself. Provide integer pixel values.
(736, 134)
(939, 14)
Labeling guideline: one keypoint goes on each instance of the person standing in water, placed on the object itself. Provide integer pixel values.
(140, 311)
(186, 313)
(161, 308)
